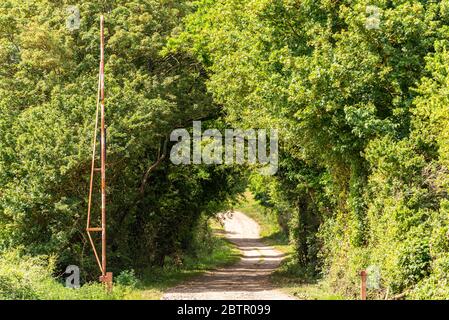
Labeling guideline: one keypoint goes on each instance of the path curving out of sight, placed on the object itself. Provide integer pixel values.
(248, 279)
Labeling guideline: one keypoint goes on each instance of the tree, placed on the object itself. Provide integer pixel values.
(48, 79)
(343, 96)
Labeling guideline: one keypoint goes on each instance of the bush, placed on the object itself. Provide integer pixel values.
(21, 278)
(30, 278)
(127, 278)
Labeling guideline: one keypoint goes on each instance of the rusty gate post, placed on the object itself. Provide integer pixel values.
(107, 281)
(106, 277)
(363, 275)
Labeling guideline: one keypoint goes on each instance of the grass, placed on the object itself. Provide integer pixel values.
(30, 278)
(309, 291)
(289, 277)
(294, 280)
(156, 281)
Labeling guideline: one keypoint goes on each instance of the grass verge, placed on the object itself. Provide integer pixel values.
(156, 281)
(31, 278)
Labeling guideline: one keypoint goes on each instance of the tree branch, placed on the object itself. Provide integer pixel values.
(151, 168)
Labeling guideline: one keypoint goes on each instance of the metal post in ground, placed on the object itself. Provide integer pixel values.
(106, 277)
(363, 275)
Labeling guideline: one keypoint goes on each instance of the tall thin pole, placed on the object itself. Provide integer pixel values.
(363, 275)
(103, 152)
(106, 277)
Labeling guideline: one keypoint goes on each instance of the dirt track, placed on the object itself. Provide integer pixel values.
(246, 280)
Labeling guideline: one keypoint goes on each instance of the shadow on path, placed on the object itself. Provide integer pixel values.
(249, 279)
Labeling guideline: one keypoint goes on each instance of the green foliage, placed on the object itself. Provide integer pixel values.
(362, 119)
(127, 278)
(25, 277)
(48, 83)
(361, 115)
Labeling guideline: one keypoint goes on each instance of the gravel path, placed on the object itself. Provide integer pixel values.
(246, 280)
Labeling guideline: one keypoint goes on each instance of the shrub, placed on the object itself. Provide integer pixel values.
(127, 278)
(30, 278)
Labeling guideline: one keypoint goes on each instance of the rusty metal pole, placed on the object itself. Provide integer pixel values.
(363, 275)
(106, 277)
(103, 153)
